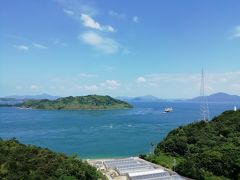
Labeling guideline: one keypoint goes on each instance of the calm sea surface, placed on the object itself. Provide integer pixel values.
(96, 133)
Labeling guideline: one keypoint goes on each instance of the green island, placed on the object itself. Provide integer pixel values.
(204, 149)
(78, 102)
(19, 161)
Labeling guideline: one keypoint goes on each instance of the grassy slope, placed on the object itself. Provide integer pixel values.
(79, 102)
(19, 161)
(204, 150)
(163, 159)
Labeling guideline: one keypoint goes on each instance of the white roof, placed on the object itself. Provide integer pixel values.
(155, 171)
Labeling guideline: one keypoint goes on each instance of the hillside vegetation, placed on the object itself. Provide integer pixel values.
(19, 161)
(78, 102)
(204, 149)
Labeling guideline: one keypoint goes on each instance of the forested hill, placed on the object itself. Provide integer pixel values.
(78, 102)
(205, 148)
(19, 161)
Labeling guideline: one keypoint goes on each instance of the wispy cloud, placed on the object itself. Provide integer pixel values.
(141, 79)
(17, 37)
(21, 47)
(135, 19)
(68, 12)
(160, 84)
(78, 85)
(85, 12)
(91, 23)
(59, 42)
(88, 87)
(109, 28)
(236, 32)
(104, 44)
(215, 82)
(75, 8)
(110, 84)
(116, 14)
(40, 46)
(87, 75)
(26, 43)
(34, 87)
(112, 13)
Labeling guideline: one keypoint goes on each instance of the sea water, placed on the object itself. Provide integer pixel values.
(101, 133)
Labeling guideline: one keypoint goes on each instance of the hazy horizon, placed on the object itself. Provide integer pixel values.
(54, 95)
(120, 48)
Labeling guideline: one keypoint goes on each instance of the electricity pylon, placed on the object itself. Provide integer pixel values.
(204, 110)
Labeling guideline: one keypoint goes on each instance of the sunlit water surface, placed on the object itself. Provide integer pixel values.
(100, 133)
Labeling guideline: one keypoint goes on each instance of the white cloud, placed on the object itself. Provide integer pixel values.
(110, 84)
(34, 87)
(21, 38)
(110, 28)
(135, 19)
(141, 79)
(236, 32)
(91, 23)
(88, 87)
(178, 78)
(116, 14)
(236, 86)
(104, 44)
(75, 8)
(21, 47)
(40, 46)
(59, 42)
(68, 12)
(189, 84)
(86, 75)
(89, 9)
(112, 13)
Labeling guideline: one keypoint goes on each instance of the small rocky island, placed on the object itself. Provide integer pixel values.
(77, 103)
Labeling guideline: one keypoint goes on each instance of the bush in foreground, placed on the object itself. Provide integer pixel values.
(205, 148)
(19, 161)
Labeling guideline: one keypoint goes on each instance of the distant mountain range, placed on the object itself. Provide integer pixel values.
(218, 97)
(147, 98)
(13, 100)
(39, 96)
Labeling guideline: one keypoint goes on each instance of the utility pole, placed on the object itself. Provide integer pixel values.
(174, 164)
(152, 148)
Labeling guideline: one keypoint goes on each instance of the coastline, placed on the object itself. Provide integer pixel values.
(83, 109)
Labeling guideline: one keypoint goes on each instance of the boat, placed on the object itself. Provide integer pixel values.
(169, 109)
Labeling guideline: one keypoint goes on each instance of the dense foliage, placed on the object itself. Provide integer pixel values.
(206, 147)
(19, 161)
(78, 102)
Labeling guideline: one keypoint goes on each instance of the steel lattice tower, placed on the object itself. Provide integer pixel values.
(204, 110)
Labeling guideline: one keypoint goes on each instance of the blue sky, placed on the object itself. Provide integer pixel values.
(120, 48)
